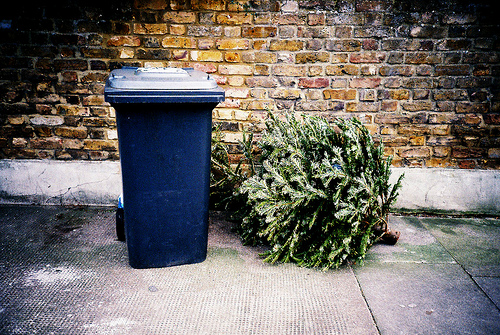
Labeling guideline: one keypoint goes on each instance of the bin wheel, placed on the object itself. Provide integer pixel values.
(120, 224)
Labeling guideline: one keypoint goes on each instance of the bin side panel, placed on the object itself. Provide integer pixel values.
(165, 158)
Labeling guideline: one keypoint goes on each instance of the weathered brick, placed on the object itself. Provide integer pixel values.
(311, 57)
(464, 152)
(362, 107)
(46, 143)
(342, 45)
(416, 106)
(313, 32)
(364, 82)
(179, 42)
(234, 18)
(288, 19)
(289, 70)
(232, 57)
(265, 57)
(391, 118)
(70, 64)
(394, 141)
(492, 119)
(150, 28)
(317, 105)
(342, 70)
(179, 17)
(203, 31)
(284, 93)
(127, 41)
(241, 93)
(367, 57)
(339, 94)
(417, 152)
(452, 70)
(316, 19)
(396, 70)
(99, 145)
(46, 120)
(232, 44)
(289, 45)
(428, 31)
(423, 58)
(259, 32)
(236, 69)
(207, 56)
(476, 108)
(71, 132)
(313, 82)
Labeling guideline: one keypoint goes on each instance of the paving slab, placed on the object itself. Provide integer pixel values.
(62, 271)
(419, 287)
(472, 242)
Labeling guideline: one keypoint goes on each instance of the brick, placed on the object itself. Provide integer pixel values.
(349, 45)
(428, 31)
(289, 70)
(179, 17)
(342, 70)
(419, 152)
(316, 19)
(317, 105)
(409, 130)
(232, 44)
(265, 57)
(339, 94)
(71, 132)
(452, 70)
(46, 143)
(177, 29)
(241, 93)
(391, 118)
(179, 42)
(422, 58)
(288, 45)
(476, 108)
(178, 55)
(492, 119)
(313, 82)
(40, 120)
(205, 43)
(258, 105)
(236, 69)
(365, 82)
(396, 70)
(372, 6)
(289, 19)
(70, 64)
(494, 153)
(311, 57)
(126, 53)
(313, 32)
(367, 57)
(150, 28)
(416, 106)
(391, 141)
(362, 107)
(284, 93)
(450, 94)
(262, 82)
(234, 18)
(99, 145)
(463, 152)
(232, 57)
(259, 32)
(207, 56)
(202, 31)
(127, 41)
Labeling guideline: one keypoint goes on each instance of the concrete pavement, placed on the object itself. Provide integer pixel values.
(62, 271)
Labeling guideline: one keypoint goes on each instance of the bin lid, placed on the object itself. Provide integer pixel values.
(161, 85)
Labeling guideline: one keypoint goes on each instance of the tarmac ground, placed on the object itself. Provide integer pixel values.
(62, 271)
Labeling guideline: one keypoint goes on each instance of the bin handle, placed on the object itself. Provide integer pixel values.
(172, 71)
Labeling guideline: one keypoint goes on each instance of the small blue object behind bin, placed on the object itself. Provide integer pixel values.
(164, 120)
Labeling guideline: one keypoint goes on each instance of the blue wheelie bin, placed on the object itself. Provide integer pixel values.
(164, 121)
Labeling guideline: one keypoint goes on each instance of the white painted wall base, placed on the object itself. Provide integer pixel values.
(51, 182)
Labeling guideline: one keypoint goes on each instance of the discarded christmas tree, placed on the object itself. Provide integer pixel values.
(322, 195)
